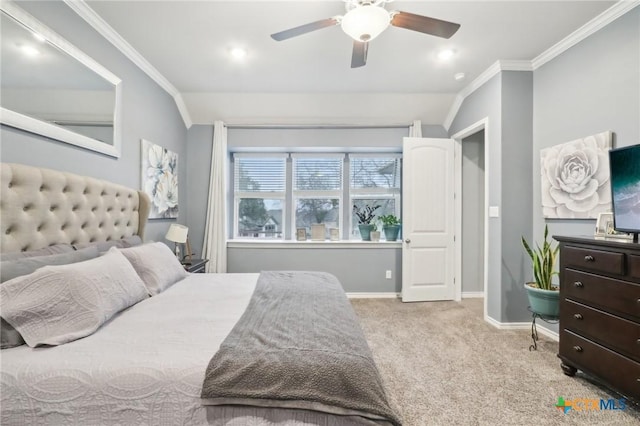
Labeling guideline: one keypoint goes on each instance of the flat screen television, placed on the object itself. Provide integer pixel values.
(624, 164)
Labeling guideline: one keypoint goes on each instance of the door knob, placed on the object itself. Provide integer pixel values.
(407, 240)
(577, 316)
(578, 284)
(588, 258)
(577, 348)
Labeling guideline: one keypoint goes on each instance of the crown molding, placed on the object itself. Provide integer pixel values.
(102, 27)
(597, 23)
(487, 75)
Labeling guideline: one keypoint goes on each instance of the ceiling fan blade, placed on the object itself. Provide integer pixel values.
(424, 24)
(306, 28)
(359, 55)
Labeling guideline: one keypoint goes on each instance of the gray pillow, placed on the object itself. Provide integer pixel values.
(104, 246)
(10, 269)
(58, 304)
(156, 264)
(46, 251)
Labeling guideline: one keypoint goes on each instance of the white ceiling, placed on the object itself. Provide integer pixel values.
(188, 43)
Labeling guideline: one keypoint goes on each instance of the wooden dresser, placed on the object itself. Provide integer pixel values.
(600, 311)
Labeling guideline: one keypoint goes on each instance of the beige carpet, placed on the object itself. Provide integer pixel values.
(443, 365)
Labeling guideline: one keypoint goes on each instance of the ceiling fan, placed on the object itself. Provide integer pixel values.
(366, 19)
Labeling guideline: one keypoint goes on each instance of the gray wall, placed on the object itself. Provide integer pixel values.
(516, 207)
(359, 269)
(591, 88)
(148, 112)
(473, 214)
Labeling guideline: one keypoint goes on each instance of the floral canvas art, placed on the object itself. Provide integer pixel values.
(575, 178)
(160, 180)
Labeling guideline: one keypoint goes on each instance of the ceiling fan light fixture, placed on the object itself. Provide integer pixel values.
(366, 22)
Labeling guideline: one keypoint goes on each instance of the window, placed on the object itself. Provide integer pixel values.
(317, 190)
(375, 181)
(259, 195)
(275, 194)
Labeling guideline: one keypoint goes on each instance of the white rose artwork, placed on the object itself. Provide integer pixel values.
(575, 178)
(160, 180)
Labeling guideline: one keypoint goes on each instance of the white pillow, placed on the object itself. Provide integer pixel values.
(58, 304)
(156, 264)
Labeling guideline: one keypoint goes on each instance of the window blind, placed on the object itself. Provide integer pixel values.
(375, 172)
(317, 173)
(260, 174)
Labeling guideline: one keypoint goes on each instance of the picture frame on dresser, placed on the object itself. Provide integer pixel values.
(605, 228)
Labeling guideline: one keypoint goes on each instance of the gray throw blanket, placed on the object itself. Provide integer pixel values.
(298, 345)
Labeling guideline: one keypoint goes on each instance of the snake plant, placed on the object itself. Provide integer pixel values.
(543, 260)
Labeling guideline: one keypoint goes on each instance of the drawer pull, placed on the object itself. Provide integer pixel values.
(577, 316)
(588, 258)
(579, 284)
(577, 348)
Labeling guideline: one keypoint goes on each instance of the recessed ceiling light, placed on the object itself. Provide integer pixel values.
(30, 50)
(446, 54)
(459, 76)
(238, 52)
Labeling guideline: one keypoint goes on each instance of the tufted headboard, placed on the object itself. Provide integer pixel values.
(41, 207)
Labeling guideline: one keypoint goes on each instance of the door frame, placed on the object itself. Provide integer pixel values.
(482, 124)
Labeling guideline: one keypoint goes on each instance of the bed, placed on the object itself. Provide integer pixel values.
(146, 363)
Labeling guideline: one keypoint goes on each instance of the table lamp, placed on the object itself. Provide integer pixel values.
(178, 234)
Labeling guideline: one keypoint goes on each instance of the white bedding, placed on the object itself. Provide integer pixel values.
(145, 366)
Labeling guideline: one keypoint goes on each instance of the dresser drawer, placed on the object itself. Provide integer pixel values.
(593, 260)
(633, 266)
(609, 330)
(621, 372)
(610, 294)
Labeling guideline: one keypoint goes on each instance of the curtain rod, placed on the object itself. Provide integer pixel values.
(317, 126)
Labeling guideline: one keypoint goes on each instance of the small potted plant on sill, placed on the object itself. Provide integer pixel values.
(544, 297)
(365, 216)
(390, 226)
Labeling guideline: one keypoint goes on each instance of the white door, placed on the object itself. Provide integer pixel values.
(428, 220)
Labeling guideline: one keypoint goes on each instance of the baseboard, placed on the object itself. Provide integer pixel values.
(366, 295)
(472, 294)
(523, 326)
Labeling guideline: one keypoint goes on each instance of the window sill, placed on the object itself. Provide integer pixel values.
(287, 244)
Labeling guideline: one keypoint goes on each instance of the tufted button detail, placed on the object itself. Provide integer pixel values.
(91, 240)
(116, 223)
(8, 231)
(65, 189)
(25, 248)
(85, 191)
(10, 184)
(130, 196)
(101, 224)
(109, 209)
(122, 210)
(41, 188)
(93, 209)
(84, 225)
(117, 194)
(74, 208)
(108, 238)
(129, 223)
(74, 242)
(26, 207)
(64, 226)
(39, 228)
(103, 193)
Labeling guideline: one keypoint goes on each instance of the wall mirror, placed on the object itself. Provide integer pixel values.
(51, 88)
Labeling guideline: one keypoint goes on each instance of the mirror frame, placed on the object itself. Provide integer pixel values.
(40, 127)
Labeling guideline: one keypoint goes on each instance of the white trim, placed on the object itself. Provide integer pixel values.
(367, 295)
(102, 27)
(474, 128)
(488, 74)
(44, 128)
(288, 244)
(523, 326)
(472, 294)
(597, 23)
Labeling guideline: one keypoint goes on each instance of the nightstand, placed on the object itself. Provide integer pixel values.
(196, 266)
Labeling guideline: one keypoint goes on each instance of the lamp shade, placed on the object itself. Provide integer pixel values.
(177, 233)
(364, 23)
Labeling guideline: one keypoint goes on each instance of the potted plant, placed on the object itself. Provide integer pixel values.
(390, 226)
(543, 296)
(365, 216)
